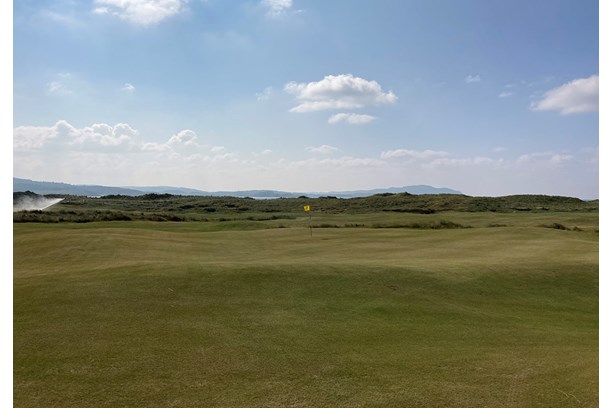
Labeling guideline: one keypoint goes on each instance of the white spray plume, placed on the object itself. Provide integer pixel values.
(34, 203)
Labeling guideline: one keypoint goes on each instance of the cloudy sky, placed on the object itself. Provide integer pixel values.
(488, 97)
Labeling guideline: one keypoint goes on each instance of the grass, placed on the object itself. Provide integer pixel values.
(242, 313)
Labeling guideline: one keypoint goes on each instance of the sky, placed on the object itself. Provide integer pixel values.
(487, 97)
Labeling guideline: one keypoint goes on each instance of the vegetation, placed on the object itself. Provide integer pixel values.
(244, 308)
(160, 207)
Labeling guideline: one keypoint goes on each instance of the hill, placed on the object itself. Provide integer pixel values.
(45, 187)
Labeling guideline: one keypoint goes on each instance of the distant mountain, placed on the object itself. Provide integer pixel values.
(169, 190)
(45, 187)
(421, 189)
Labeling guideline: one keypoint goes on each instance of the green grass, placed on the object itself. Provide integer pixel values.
(213, 314)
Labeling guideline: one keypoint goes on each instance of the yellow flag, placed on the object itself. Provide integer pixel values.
(306, 208)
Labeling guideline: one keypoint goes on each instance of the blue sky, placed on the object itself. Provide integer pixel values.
(487, 97)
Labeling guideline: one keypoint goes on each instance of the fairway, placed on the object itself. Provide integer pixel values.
(233, 315)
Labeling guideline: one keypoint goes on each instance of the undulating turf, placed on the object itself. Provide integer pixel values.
(186, 315)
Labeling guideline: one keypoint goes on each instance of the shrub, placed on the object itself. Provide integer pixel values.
(555, 225)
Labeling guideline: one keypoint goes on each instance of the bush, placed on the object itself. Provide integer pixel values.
(555, 225)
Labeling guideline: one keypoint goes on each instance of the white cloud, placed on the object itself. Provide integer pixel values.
(140, 12)
(342, 162)
(57, 88)
(352, 118)
(264, 152)
(156, 147)
(277, 8)
(33, 137)
(103, 153)
(66, 84)
(184, 139)
(101, 10)
(505, 94)
(180, 144)
(323, 149)
(217, 149)
(95, 137)
(545, 158)
(65, 17)
(231, 157)
(102, 135)
(128, 88)
(338, 92)
(464, 162)
(472, 78)
(578, 96)
(265, 95)
(412, 154)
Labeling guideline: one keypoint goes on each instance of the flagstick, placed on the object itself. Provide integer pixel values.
(307, 209)
(309, 225)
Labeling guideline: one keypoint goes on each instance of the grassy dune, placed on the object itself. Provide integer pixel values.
(242, 313)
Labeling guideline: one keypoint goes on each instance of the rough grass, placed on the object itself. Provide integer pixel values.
(141, 207)
(177, 314)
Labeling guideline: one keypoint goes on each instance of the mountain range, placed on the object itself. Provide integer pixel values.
(46, 187)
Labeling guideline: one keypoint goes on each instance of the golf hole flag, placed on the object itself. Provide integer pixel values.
(306, 208)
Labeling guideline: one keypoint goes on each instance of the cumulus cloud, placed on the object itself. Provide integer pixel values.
(182, 144)
(323, 149)
(103, 135)
(578, 96)
(277, 8)
(352, 118)
(185, 137)
(33, 137)
(99, 135)
(156, 147)
(338, 92)
(505, 94)
(140, 12)
(472, 78)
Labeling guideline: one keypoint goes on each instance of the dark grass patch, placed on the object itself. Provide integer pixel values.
(424, 225)
(555, 225)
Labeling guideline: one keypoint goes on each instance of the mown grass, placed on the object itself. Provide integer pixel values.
(182, 314)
